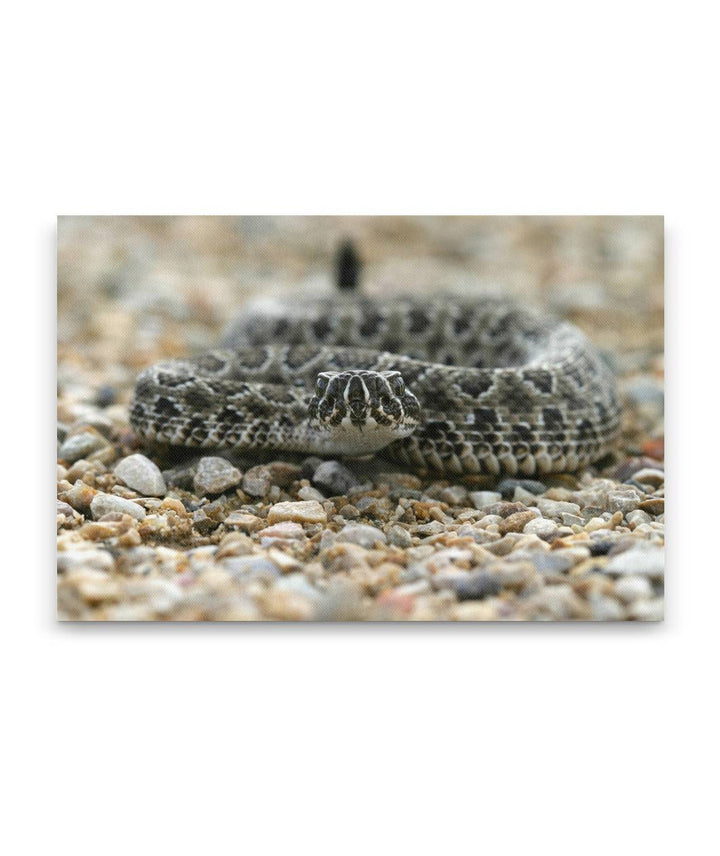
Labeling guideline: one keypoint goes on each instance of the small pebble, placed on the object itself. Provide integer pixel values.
(646, 559)
(507, 487)
(334, 478)
(483, 498)
(105, 503)
(302, 512)
(215, 475)
(81, 445)
(541, 527)
(362, 534)
(307, 492)
(142, 475)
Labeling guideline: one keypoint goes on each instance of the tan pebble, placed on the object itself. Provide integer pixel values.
(474, 610)
(235, 544)
(653, 506)
(244, 522)
(516, 522)
(286, 563)
(587, 566)
(98, 531)
(282, 605)
(306, 511)
(596, 523)
(131, 538)
(650, 476)
(93, 586)
(286, 529)
(79, 496)
(172, 504)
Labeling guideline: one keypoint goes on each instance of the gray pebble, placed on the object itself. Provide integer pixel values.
(483, 498)
(362, 534)
(76, 560)
(478, 585)
(257, 481)
(454, 495)
(632, 588)
(541, 527)
(571, 519)
(604, 608)
(215, 475)
(555, 508)
(399, 537)
(650, 476)
(252, 567)
(625, 501)
(81, 446)
(309, 493)
(334, 478)
(645, 559)
(142, 475)
(105, 503)
(550, 563)
(507, 487)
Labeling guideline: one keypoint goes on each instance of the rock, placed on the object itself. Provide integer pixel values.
(625, 500)
(244, 522)
(399, 537)
(287, 530)
(308, 493)
(142, 475)
(647, 610)
(654, 506)
(349, 512)
(651, 476)
(516, 522)
(204, 523)
(334, 478)
(507, 487)
(302, 512)
(478, 585)
(551, 563)
(645, 559)
(362, 534)
(631, 588)
(604, 608)
(215, 475)
(454, 495)
(541, 527)
(252, 567)
(257, 481)
(570, 519)
(483, 498)
(505, 509)
(105, 503)
(81, 445)
(555, 508)
(80, 560)
(635, 518)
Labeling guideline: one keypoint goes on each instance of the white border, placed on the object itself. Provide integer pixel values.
(360, 739)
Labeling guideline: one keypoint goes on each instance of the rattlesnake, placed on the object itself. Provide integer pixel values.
(447, 384)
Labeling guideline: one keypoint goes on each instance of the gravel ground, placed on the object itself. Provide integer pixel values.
(143, 535)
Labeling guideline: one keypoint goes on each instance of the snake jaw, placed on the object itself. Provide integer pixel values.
(363, 411)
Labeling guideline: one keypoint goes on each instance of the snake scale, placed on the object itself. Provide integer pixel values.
(452, 385)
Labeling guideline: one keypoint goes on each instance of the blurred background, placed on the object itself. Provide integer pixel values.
(132, 290)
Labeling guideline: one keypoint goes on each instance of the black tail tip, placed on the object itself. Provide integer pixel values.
(348, 266)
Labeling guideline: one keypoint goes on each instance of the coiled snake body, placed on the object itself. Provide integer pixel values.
(481, 386)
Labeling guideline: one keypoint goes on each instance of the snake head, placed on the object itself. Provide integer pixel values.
(362, 411)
